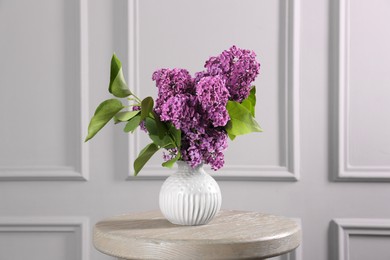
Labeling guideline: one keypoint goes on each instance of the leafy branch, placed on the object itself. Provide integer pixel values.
(163, 134)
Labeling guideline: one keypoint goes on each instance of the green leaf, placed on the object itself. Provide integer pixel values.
(118, 86)
(153, 129)
(171, 162)
(231, 136)
(166, 142)
(250, 101)
(103, 113)
(241, 120)
(161, 127)
(125, 116)
(133, 124)
(176, 134)
(144, 157)
(150, 125)
(146, 107)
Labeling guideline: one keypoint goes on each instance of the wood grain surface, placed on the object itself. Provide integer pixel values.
(231, 235)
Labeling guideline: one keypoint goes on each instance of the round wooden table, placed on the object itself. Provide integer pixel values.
(230, 235)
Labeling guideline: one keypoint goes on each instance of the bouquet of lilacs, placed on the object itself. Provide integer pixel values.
(192, 117)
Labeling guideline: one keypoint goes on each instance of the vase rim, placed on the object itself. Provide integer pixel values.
(185, 164)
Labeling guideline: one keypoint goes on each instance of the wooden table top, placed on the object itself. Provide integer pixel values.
(230, 235)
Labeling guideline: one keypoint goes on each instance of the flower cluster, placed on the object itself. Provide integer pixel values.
(170, 83)
(197, 106)
(238, 67)
(205, 145)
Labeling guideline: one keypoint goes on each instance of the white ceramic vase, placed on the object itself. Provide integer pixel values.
(190, 196)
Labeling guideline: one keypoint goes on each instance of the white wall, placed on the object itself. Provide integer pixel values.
(324, 157)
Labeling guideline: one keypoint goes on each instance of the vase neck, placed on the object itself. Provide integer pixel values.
(184, 166)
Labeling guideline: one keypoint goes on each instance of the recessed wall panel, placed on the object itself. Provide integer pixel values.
(360, 238)
(43, 81)
(369, 92)
(45, 238)
(363, 139)
(38, 245)
(369, 247)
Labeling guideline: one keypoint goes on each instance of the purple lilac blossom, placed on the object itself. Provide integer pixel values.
(238, 67)
(196, 110)
(213, 96)
(206, 147)
(181, 110)
(200, 75)
(197, 106)
(171, 82)
(169, 154)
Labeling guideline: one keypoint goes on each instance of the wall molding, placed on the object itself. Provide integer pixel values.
(290, 17)
(344, 171)
(77, 225)
(342, 229)
(64, 173)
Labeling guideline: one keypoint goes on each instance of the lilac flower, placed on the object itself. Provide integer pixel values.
(170, 83)
(238, 67)
(181, 111)
(213, 96)
(191, 154)
(170, 154)
(213, 148)
(206, 147)
(197, 106)
(200, 75)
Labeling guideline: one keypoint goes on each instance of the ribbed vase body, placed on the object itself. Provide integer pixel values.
(190, 196)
